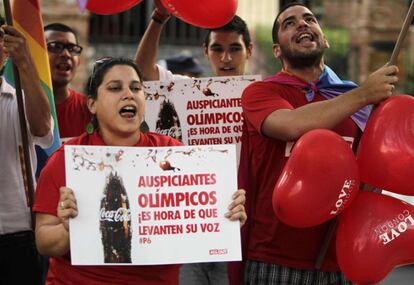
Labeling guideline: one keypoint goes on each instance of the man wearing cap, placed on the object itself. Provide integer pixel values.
(182, 64)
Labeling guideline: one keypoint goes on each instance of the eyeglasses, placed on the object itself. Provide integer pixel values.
(58, 47)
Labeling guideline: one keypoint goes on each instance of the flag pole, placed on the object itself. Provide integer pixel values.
(24, 152)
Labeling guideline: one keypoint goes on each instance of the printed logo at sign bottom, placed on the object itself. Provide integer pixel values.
(218, 251)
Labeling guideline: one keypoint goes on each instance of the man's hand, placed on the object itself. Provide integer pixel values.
(379, 85)
(15, 45)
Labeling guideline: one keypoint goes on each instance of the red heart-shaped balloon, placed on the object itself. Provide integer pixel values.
(374, 235)
(202, 13)
(318, 182)
(386, 151)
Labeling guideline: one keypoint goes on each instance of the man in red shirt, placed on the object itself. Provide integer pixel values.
(305, 95)
(64, 52)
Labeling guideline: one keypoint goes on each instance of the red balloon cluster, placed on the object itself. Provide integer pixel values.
(386, 151)
(313, 187)
(107, 7)
(202, 13)
(375, 232)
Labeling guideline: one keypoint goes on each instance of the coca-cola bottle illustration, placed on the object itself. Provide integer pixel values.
(168, 122)
(115, 221)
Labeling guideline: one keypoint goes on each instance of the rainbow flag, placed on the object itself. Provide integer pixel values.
(27, 18)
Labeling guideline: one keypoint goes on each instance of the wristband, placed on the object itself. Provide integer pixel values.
(157, 20)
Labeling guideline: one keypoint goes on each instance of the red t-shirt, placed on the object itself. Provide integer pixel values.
(261, 162)
(73, 115)
(60, 269)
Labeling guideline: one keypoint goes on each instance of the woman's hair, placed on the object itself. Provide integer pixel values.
(101, 67)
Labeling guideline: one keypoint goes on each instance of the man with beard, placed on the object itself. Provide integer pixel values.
(305, 95)
(64, 52)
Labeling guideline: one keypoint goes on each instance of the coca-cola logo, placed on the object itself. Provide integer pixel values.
(172, 132)
(119, 215)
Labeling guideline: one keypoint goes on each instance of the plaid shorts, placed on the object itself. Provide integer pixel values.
(260, 273)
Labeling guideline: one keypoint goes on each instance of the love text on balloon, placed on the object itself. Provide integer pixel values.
(394, 228)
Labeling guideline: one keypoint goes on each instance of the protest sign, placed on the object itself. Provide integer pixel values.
(158, 205)
(198, 111)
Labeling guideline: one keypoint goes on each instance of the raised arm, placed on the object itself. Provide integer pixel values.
(288, 125)
(36, 103)
(52, 232)
(147, 50)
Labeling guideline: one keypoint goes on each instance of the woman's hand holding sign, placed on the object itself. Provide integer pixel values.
(236, 207)
(67, 207)
(52, 232)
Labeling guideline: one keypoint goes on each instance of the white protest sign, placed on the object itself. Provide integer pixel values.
(198, 111)
(159, 205)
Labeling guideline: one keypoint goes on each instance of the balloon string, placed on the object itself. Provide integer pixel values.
(325, 244)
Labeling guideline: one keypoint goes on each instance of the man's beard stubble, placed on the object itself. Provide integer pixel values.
(302, 59)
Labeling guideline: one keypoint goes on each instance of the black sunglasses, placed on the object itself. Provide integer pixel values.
(58, 47)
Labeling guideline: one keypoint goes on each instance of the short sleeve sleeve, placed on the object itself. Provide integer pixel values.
(51, 179)
(259, 100)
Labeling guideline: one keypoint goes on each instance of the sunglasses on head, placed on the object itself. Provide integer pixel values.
(98, 63)
(58, 47)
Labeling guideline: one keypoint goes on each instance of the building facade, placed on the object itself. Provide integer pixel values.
(373, 27)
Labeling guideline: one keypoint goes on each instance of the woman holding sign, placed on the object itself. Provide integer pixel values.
(116, 100)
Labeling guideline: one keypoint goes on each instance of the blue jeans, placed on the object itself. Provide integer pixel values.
(211, 273)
